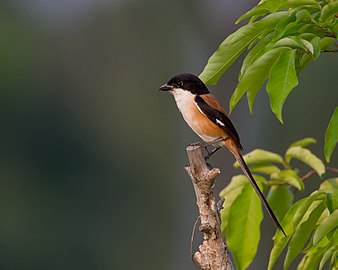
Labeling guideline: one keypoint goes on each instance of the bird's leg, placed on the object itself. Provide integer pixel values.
(213, 151)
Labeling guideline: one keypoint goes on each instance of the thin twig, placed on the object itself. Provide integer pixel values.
(192, 237)
(329, 51)
(310, 173)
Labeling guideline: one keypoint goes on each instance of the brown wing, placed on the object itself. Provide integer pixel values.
(217, 116)
(213, 102)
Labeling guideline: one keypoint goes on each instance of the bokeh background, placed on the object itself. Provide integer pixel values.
(92, 156)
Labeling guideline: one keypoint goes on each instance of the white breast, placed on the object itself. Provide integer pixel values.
(187, 106)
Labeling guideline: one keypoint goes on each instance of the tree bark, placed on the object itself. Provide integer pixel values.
(212, 254)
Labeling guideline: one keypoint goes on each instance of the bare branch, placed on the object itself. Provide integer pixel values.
(212, 254)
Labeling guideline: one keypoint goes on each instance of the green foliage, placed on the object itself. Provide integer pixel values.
(281, 38)
(331, 136)
(311, 220)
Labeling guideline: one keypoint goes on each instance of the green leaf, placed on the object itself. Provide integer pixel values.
(325, 42)
(302, 234)
(261, 48)
(256, 11)
(280, 241)
(330, 203)
(330, 187)
(235, 44)
(331, 248)
(280, 199)
(329, 11)
(307, 157)
(316, 47)
(261, 9)
(333, 262)
(305, 59)
(295, 43)
(230, 194)
(282, 79)
(264, 168)
(331, 136)
(283, 26)
(311, 259)
(292, 42)
(228, 52)
(307, 45)
(260, 156)
(298, 3)
(304, 142)
(327, 255)
(327, 225)
(303, 15)
(290, 177)
(244, 224)
(304, 207)
(254, 77)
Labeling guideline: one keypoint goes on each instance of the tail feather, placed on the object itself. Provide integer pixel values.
(247, 172)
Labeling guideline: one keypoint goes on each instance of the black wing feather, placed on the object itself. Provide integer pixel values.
(215, 115)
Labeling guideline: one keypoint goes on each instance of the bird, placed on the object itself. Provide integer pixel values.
(205, 115)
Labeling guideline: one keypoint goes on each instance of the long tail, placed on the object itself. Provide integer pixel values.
(247, 172)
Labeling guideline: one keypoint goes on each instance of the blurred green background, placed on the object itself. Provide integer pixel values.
(92, 155)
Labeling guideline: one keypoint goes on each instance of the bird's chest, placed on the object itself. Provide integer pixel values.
(197, 121)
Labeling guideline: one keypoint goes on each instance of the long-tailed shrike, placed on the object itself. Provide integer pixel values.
(207, 118)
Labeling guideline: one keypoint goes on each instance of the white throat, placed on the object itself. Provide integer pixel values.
(183, 99)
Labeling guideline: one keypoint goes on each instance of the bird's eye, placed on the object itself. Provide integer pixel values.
(179, 84)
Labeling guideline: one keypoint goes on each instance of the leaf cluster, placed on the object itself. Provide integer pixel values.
(313, 218)
(287, 37)
(282, 37)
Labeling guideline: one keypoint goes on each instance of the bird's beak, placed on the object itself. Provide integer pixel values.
(166, 87)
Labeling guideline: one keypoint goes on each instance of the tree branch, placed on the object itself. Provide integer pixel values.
(212, 254)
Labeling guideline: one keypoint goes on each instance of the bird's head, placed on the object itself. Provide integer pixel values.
(185, 82)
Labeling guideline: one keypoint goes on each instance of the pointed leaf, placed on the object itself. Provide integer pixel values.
(333, 261)
(254, 77)
(330, 187)
(329, 10)
(302, 234)
(261, 48)
(307, 45)
(290, 223)
(328, 224)
(305, 206)
(244, 223)
(235, 44)
(228, 52)
(282, 79)
(290, 177)
(304, 142)
(292, 42)
(259, 156)
(261, 9)
(298, 3)
(311, 259)
(325, 42)
(280, 241)
(230, 194)
(256, 11)
(264, 168)
(327, 255)
(307, 157)
(280, 199)
(316, 47)
(282, 26)
(331, 136)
